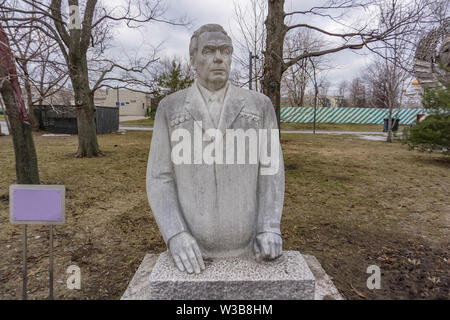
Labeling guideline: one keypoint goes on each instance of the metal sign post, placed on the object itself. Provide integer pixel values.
(37, 204)
(250, 66)
(51, 264)
(24, 263)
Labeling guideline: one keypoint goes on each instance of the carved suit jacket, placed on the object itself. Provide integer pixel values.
(223, 206)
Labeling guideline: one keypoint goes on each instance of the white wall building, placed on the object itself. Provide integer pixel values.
(131, 103)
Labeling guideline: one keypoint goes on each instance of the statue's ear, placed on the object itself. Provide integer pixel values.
(192, 61)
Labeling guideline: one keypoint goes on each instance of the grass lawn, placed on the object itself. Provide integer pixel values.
(349, 202)
(139, 123)
(2, 117)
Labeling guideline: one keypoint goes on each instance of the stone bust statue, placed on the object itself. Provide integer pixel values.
(206, 203)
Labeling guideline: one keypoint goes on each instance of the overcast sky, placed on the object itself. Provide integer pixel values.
(174, 40)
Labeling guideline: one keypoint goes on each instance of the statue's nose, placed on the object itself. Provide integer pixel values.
(218, 56)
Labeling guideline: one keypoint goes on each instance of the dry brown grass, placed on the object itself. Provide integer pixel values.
(349, 202)
(353, 203)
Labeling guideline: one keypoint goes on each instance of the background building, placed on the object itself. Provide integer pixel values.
(131, 103)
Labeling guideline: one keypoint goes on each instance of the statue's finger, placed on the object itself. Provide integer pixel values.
(257, 250)
(272, 250)
(265, 250)
(186, 263)
(193, 260)
(256, 247)
(278, 248)
(178, 262)
(198, 253)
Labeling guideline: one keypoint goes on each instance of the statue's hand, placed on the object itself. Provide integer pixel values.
(267, 246)
(186, 253)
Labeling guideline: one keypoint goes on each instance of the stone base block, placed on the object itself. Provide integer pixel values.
(288, 277)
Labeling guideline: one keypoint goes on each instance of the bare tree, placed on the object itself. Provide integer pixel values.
(250, 39)
(342, 93)
(324, 87)
(395, 64)
(355, 35)
(81, 42)
(297, 78)
(24, 150)
(48, 75)
(358, 93)
(40, 70)
(387, 79)
(342, 89)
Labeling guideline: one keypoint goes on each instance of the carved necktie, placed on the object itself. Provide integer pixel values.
(215, 108)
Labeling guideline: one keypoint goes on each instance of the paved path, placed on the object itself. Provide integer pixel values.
(130, 118)
(333, 132)
(141, 128)
(135, 128)
(131, 128)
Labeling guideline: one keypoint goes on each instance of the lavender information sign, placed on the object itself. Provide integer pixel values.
(37, 204)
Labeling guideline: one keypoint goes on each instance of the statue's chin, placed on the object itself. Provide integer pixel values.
(218, 82)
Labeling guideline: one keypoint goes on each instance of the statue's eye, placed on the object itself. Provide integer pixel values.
(226, 51)
(208, 51)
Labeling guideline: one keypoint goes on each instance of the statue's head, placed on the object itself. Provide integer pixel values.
(444, 53)
(210, 52)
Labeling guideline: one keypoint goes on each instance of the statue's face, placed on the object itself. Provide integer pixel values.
(213, 59)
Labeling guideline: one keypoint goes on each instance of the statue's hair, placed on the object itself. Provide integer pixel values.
(193, 45)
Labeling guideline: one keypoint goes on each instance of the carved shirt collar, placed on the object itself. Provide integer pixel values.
(210, 96)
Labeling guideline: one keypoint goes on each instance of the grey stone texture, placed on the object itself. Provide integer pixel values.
(235, 278)
(325, 289)
(292, 276)
(138, 289)
(215, 210)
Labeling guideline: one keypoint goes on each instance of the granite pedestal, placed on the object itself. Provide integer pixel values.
(287, 278)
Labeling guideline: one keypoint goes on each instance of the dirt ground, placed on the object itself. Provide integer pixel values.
(349, 202)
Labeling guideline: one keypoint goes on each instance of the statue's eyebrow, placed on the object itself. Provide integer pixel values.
(214, 47)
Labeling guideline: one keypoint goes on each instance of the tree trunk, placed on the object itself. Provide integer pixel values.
(302, 97)
(3, 112)
(389, 131)
(27, 86)
(20, 128)
(24, 150)
(87, 133)
(273, 56)
(85, 108)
